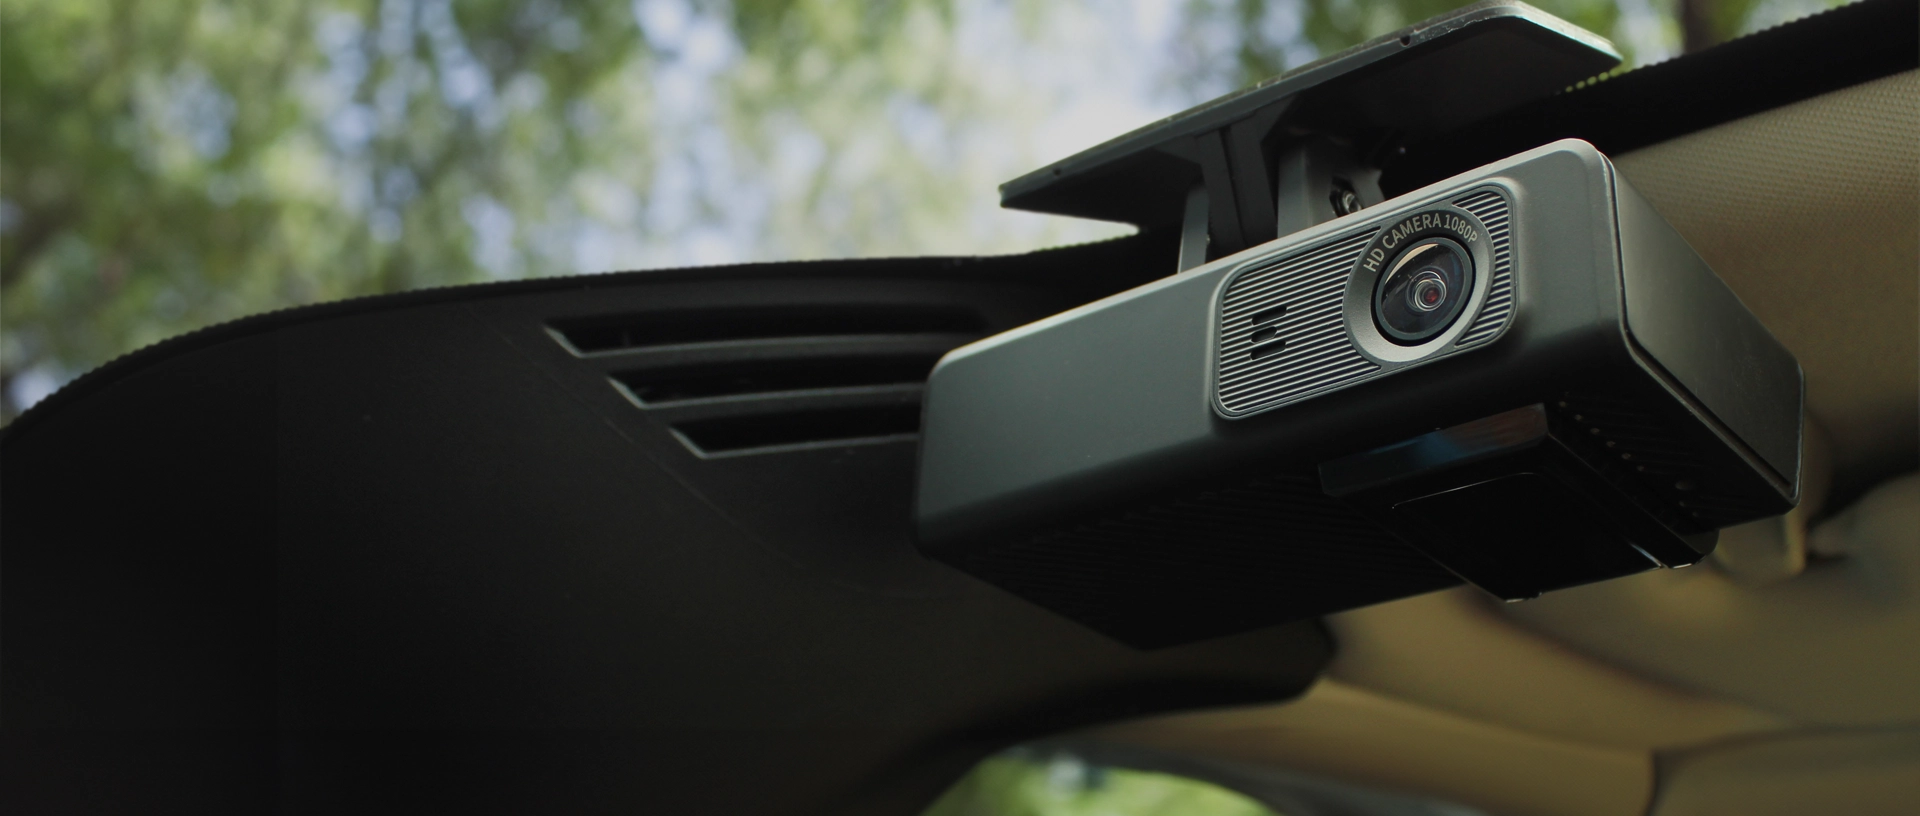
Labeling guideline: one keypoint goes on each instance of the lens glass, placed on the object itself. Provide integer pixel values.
(1423, 291)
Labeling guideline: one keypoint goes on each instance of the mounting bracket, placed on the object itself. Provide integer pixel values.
(1308, 145)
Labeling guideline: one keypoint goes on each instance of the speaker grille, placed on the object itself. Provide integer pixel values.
(1281, 336)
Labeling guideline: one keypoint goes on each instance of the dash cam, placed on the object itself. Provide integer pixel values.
(1521, 377)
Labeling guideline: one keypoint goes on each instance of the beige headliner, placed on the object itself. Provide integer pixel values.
(1809, 212)
(1730, 687)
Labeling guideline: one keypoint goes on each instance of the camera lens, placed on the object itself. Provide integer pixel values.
(1428, 291)
(1423, 291)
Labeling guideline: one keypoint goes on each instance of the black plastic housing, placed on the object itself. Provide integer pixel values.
(1138, 465)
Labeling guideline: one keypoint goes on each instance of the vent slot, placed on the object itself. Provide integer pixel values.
(1268, 315)
(774, 377)
(827, 426)
(672, 328)
(769, 376)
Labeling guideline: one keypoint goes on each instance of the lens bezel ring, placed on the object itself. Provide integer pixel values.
(1400, 234)
(1454, 306)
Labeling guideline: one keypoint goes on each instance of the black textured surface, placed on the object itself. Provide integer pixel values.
(1671, 466)
(416, 553)
(1240, 552)
(1503, 503)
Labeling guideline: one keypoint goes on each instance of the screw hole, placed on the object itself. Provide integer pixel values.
(1344, 200)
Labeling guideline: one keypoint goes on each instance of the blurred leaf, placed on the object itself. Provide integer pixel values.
(1020, 784)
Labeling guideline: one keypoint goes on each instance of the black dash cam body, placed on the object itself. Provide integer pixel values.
(1520, 377)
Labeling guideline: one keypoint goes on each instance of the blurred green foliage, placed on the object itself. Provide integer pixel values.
(167, 166)
(172, 165)
(1021, 784)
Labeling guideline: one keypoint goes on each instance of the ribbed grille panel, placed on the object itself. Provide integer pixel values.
(1491, 208)
(1283, 337)
(1313, 351)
